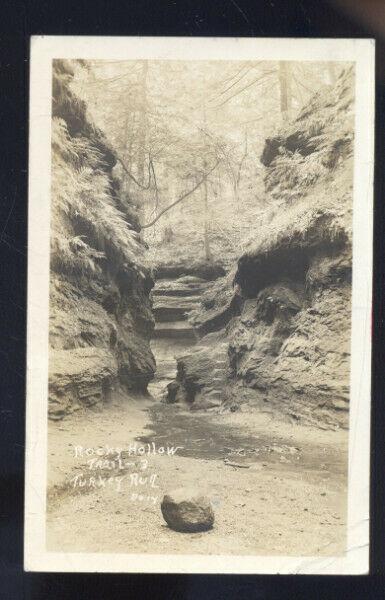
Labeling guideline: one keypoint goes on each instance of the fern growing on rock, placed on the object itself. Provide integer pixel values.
(100, 315)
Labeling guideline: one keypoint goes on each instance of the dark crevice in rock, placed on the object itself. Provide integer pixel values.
(256, 273)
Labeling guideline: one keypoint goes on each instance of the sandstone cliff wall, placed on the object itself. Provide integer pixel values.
(276, 331)
(100, 312)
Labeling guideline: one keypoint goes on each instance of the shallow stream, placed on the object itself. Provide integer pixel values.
(203, 435)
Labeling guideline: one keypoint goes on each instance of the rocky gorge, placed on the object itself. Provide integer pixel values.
(270, 332)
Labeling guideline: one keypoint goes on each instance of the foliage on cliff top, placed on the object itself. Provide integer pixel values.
(323, 216)
(309, 173)
(87, 225)
(313, 145)
(309, 198)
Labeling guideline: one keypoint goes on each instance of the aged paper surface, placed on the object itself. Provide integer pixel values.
(199, 296)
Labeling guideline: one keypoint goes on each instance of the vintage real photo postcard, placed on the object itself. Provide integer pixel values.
(199, 301)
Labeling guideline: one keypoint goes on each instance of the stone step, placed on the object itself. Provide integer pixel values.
(189, 279)
(173, 309)
(186, 301)
(214, 393)
(174, 329)
(220, 371)
(179, 291)
(169, 313)
(170, 374)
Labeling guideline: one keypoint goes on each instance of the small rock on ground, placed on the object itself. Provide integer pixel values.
(187, 510)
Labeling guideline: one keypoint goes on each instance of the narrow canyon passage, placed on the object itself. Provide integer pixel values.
(246, 231)
(173, 300)
(252, 467)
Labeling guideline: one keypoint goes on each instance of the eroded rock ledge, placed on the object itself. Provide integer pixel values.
(276, 331)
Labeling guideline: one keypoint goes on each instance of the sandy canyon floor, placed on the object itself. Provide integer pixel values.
(277, 488)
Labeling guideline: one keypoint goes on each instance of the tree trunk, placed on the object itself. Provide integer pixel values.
(142, 133)
(129, 136)
(237, 179)
(142, 124)
(206, 235)
(332, 73)
(284, 86)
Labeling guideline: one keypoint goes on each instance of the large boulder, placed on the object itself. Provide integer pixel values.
(187, 510)
(202, 374)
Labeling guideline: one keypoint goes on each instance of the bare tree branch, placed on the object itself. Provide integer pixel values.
(185, 195)
(236, 81)
(154, 211)
(131, 176)
(240, 165)
(267, 74)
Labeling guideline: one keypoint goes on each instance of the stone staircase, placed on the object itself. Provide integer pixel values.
(173, 299)
(176, 341)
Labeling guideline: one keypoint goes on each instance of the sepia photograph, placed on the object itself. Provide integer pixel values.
(199, 305)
